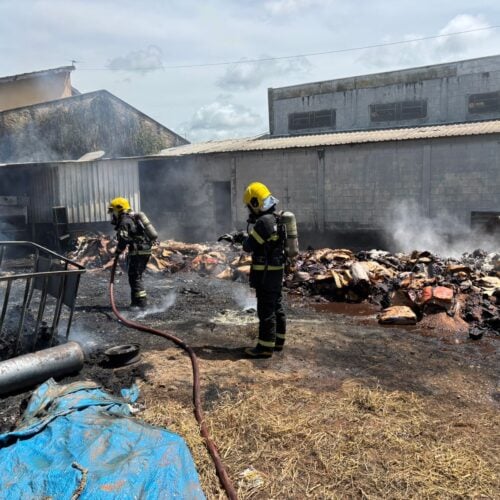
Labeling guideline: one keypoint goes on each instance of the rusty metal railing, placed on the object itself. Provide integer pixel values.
(48, 282)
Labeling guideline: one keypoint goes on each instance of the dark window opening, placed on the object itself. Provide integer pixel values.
(324, 118)
(398, 111)
(484, 103)
(485, 222)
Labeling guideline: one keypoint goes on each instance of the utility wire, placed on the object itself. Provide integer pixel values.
(296, 56)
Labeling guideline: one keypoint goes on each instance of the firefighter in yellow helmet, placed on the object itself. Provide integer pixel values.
(266, 243)
(134, 231)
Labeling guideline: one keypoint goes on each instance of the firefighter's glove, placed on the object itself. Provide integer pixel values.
(226, 237)
(239, 237)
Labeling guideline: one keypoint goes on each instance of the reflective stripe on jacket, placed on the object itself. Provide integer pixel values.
(265, 244)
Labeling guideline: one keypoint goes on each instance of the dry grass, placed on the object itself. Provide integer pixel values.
(282, 441)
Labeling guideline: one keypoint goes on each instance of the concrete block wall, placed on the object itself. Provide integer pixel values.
(354, 189)
(446, 88)
(465, 176)
(363, 183)
(336, 190)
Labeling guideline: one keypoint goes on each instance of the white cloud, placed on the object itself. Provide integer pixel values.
(245, 76)
(221, 119)
(436, 50)
(456, 45)
(286, 7)
(149, 59)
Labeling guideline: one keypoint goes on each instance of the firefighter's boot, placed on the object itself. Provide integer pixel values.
(259, 351)
(280, 342)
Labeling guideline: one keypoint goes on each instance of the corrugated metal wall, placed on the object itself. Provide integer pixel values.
(86, 188)
(43, 191)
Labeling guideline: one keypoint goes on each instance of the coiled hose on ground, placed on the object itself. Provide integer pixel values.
(198, 412)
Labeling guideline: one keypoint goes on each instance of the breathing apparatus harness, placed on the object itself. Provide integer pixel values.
(144, 235)
(267, 245)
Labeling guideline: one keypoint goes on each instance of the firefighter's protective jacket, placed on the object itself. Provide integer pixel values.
(266, 243)
(130, 233)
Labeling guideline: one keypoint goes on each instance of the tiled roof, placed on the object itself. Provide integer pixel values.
(337, 138)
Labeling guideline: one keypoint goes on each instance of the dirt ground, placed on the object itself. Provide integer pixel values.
(362, 378)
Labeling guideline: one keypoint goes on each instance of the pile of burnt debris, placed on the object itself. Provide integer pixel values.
(408, 287)
(97, 252)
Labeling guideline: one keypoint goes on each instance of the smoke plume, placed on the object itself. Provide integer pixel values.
(444, 235)
(89, 341)
(245, 298)
(164, 305)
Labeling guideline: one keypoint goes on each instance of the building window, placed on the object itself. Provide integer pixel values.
(486, 222)
(484, 103)
(398, 111)
(312, 119)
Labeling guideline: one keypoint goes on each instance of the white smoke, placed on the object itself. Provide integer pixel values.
(89, 341)
(443, 235)
(245, 298)
(163, 306)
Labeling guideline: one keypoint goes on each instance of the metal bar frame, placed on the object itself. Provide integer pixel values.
(5, 303)
(70, 268)
(27, 289)
(41, 309)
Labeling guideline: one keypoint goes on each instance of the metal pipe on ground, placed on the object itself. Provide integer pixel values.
(31, 369)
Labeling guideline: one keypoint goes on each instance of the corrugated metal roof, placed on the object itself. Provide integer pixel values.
(336, 138)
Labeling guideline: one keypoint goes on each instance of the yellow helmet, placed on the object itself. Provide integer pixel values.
(118, 205)
(258, 198)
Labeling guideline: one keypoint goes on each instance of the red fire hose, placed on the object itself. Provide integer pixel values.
(212, 448)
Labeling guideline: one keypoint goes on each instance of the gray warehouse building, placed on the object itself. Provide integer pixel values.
(342, 186)
(443, 93)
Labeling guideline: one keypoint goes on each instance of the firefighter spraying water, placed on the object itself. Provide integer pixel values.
(272, 240)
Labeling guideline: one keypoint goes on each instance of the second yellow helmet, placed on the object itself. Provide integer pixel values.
(118, 205)
(258, 198)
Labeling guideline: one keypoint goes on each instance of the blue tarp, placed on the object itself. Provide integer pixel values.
(77, 437)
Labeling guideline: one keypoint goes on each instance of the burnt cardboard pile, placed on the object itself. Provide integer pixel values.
(408, 287)
(97, 252)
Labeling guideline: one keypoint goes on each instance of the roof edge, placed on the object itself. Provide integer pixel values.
(342, 80)
(37, 74)
(86, 95)
(345, 137)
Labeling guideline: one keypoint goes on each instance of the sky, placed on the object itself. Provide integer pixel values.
(139, 50)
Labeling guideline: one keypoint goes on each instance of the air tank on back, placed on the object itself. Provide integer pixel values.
(149, 229)
(292, 238)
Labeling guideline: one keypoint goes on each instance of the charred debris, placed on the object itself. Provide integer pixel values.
(408, 288)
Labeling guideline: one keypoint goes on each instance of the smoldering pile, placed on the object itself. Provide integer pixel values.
(408, 287)
(97, 252)
(93, 251)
